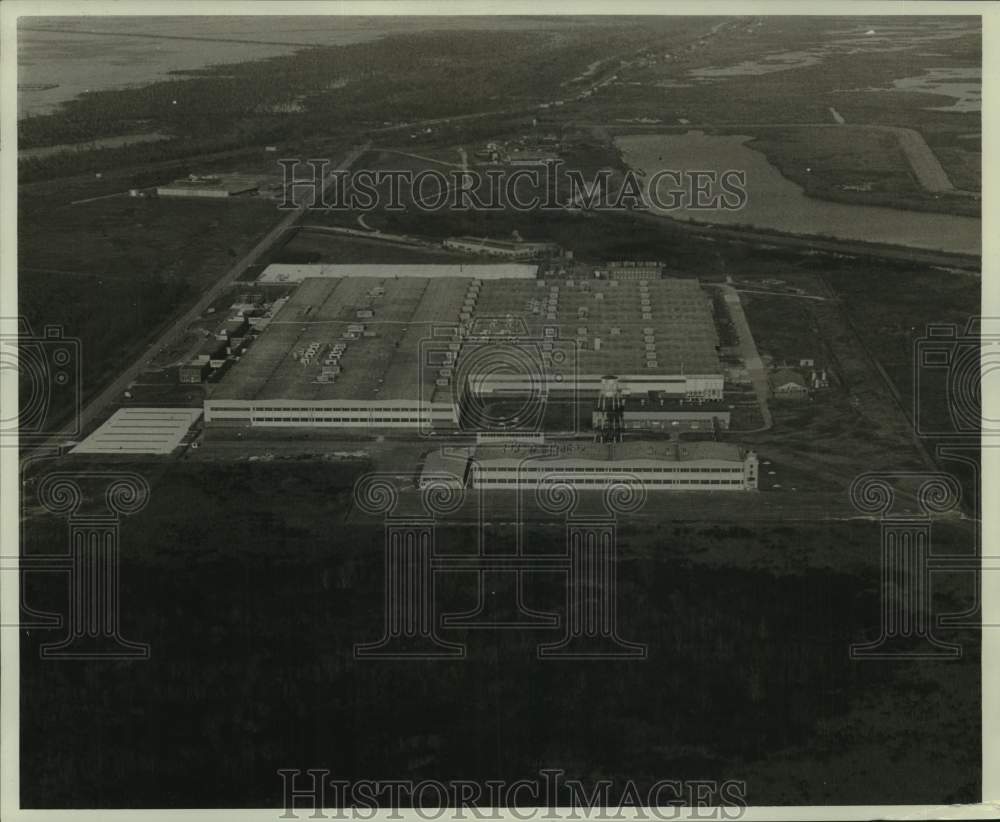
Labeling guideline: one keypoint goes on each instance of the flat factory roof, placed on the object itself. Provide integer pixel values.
(384, 361)
(385, 366)
(140, 431)
(296, 273)
(682, 336)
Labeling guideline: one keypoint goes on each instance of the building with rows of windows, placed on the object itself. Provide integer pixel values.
(656, 465)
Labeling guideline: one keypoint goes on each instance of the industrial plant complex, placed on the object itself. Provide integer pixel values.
(416, 351)
(556, 410)
(490, 350)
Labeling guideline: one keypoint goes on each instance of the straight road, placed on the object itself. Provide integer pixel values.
(749, 354)
(112, 392)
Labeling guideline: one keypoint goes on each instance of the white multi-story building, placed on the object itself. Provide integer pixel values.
(656, 465)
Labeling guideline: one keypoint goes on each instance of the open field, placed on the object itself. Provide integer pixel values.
(867, 338)
(890, 317)
(855, 422)
(782, 328)
(891, 312)
(865, 166)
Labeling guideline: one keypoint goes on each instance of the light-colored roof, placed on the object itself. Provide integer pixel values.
(140, 431)
(785, 376)
(295, 273)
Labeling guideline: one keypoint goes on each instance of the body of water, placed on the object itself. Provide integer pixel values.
(965, 85)
(776, 203)
(907, 35)
(75, 55)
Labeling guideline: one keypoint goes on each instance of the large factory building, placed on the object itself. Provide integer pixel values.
(658, 466)
(439, 351)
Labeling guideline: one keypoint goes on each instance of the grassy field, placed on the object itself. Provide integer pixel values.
(252, 601)
(852, 427)
(867, 420)
(892, 311)
(890, 314)
(827, 162)
(782, 328)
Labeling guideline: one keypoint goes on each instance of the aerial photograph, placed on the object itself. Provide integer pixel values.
(557, 411)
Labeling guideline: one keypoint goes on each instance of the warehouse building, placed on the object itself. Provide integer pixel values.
(788, 384)
(658, 413)
(317, 364)
(631, 270)
(666, 465)
(211, 186)
(651, 336)
(444, 352)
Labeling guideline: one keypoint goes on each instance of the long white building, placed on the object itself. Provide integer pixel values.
(657, 465)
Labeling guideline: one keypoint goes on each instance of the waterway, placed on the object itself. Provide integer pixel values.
(776, 203)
